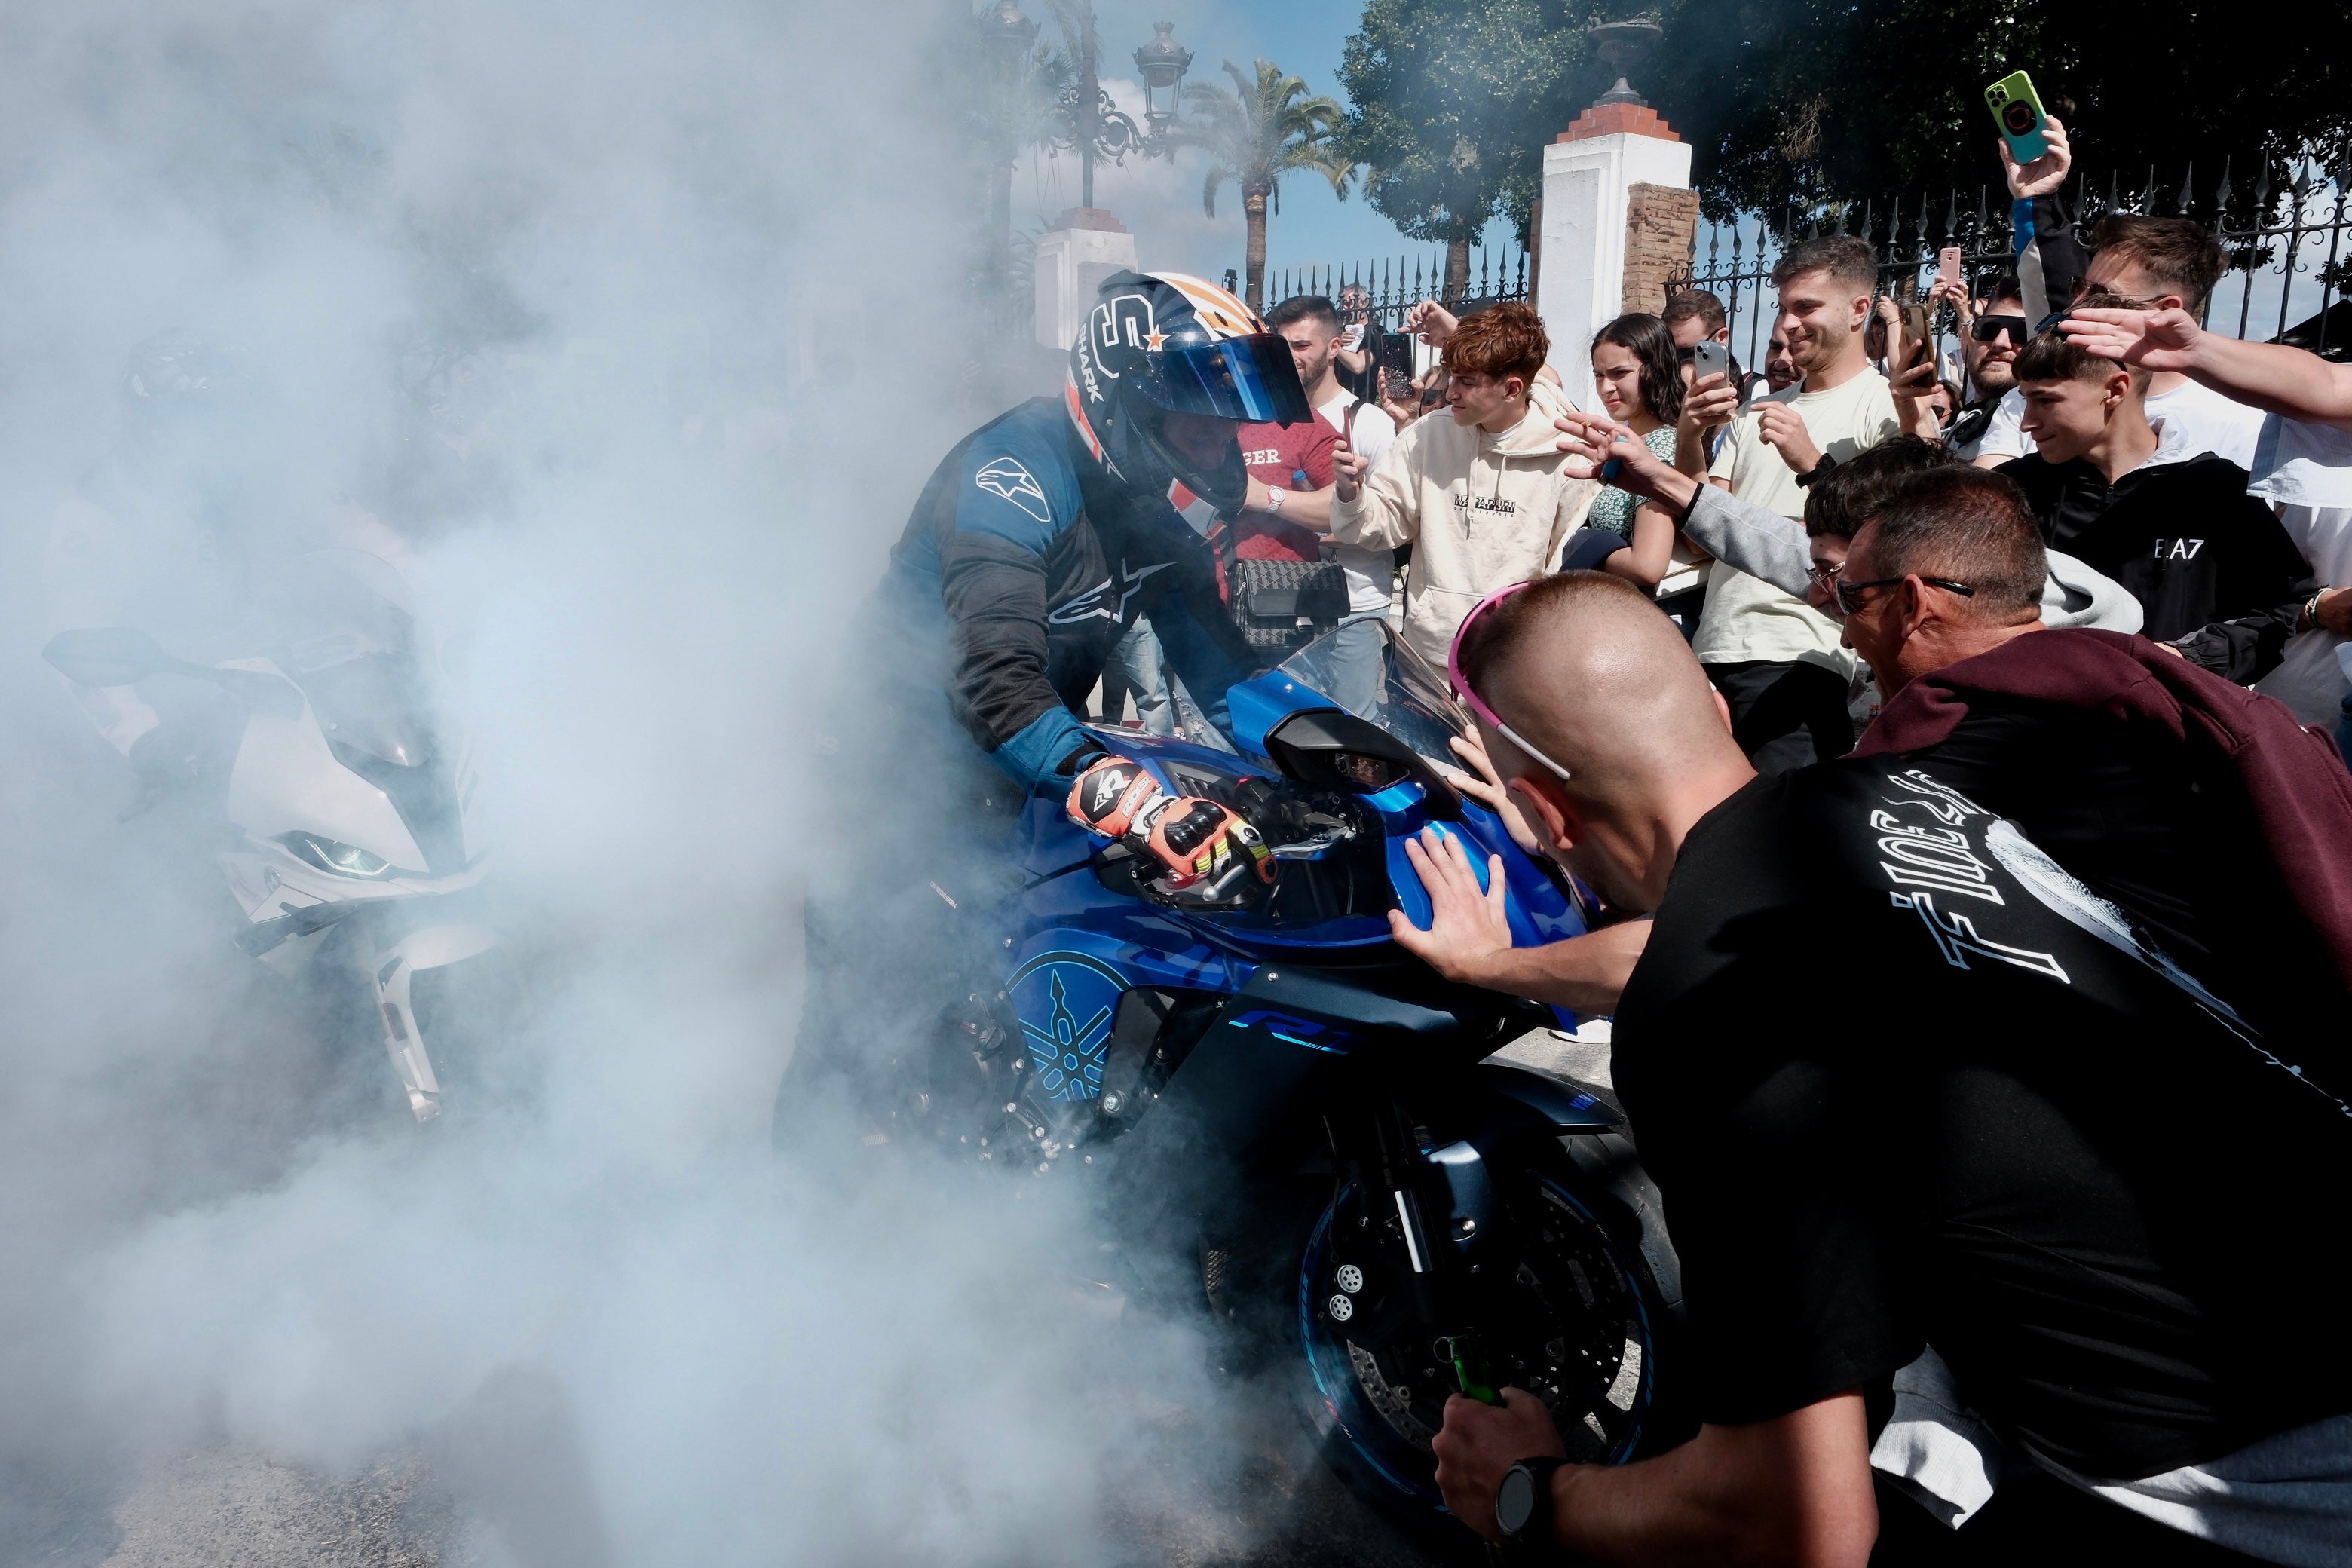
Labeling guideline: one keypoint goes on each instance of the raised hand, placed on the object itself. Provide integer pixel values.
(1432, 322)
(1910, 388)
(1783, 429)
(1349, 468)
(1591, 440)
(2043, 175)
(1710, 402)
(2160, 340)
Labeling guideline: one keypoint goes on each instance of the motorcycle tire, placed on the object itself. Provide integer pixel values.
(1595, 1294)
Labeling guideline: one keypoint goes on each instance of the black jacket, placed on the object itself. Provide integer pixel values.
(2210, 566)
(1022, 564)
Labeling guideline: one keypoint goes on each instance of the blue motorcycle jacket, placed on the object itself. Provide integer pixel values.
(1024, 563)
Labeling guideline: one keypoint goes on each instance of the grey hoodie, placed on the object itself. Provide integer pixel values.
(1767, 545)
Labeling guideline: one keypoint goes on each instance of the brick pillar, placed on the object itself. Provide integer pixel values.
(1660, 222)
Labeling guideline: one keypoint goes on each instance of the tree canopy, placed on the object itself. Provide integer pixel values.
(1450, 96)
(1814, 101)
(1817, 100)
(1266, 126)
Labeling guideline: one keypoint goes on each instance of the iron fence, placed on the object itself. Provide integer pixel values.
(1389, 290)
(1385, 290)
(2288, 251)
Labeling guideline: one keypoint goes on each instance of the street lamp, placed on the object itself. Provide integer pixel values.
(1096, 128)
(1163, 63)
(1006, 35)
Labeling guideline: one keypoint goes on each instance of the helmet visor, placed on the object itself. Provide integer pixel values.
(1251, 379)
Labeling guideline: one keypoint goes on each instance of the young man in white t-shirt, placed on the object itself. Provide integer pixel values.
(1776, 659)
(2172, 263)
(1310, 326)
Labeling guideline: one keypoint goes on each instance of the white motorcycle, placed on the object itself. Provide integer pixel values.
(350, 845)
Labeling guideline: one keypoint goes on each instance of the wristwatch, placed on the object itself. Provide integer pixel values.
(1523, 1500)
(1819, 471)
(1275, 496)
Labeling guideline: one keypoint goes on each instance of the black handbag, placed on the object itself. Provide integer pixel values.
(1280, 607)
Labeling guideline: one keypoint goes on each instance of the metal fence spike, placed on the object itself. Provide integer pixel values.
(2187, 188)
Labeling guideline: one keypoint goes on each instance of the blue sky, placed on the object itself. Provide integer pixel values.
(1161, 205)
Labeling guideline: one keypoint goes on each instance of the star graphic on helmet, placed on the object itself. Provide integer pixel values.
(1152, 342)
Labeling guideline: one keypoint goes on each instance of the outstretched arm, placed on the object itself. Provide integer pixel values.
(2286, 381)
(1469, 936)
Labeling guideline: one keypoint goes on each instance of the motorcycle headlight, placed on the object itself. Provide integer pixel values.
(334, 856)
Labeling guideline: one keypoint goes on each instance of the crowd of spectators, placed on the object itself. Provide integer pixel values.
(1984, 695)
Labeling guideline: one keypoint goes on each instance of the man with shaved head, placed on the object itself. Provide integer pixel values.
(1904, 1081)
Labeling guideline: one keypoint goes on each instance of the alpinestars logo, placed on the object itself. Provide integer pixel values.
(1008, 479)
(1095, 601)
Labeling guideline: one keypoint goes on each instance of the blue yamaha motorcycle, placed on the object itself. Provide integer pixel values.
(1292, 1119)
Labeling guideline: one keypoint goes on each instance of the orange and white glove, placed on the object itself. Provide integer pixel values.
(1190, 839)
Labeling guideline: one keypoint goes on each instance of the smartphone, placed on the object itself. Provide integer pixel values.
(1947, 263)
(1917, 328)
(2018, 111)
(1353, 338)
(1710, 358)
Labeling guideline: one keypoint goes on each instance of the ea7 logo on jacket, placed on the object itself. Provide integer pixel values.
(2179, 549)
(1096, 600)
(1008, 479)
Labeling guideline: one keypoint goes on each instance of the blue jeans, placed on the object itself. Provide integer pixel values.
(1136, 666)
(1358, 664)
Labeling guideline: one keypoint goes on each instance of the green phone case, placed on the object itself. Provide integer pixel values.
(2011, 100)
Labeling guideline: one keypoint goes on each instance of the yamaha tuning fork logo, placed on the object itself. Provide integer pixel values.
(1066, 1003)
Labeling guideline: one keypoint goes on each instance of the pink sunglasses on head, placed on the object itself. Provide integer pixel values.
(1478, 704)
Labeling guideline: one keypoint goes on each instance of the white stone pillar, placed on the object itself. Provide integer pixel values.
(1587, 176)
(1086, 245)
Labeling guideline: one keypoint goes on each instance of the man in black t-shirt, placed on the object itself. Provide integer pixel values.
(1903, 1080)
(2210, 566)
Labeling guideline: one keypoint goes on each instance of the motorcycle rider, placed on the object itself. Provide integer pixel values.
(1039, 540)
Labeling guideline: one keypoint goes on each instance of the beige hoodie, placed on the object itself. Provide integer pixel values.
(1480, 510)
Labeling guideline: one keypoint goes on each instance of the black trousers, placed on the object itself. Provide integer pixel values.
(1785, 716)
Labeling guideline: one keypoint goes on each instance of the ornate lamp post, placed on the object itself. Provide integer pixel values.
(1006, 37)
(1096, 127)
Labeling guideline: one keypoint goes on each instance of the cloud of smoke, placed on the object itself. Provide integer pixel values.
(627, 332)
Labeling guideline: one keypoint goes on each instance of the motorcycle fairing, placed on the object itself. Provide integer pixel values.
(287, 778)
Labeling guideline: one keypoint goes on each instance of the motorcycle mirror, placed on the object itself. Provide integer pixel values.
(118, 656)
(107, 656)
(1328, 748)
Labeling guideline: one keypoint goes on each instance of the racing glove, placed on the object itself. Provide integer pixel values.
(1187, 839)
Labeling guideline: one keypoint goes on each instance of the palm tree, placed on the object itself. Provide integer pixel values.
(1255, 134)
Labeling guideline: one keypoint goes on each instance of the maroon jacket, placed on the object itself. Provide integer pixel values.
(2294, 778)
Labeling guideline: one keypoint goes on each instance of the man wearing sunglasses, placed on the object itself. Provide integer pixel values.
(1995, 330)
(1975, 1153)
